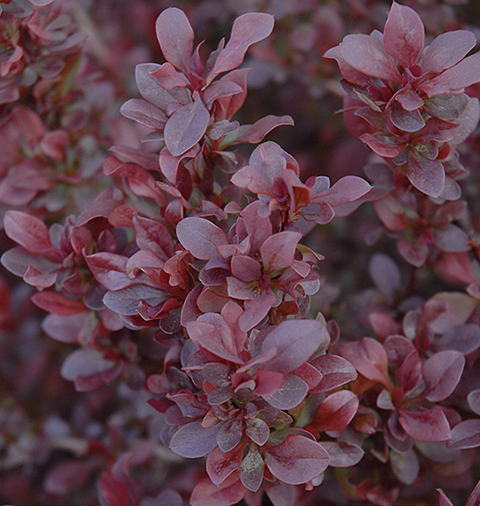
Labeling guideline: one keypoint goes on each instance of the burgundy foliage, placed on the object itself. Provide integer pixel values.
(190, 313)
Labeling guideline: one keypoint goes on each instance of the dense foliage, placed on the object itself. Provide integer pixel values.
(190, 313)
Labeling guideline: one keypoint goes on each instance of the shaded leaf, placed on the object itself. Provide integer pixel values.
(465, 434)
(193, 441)
(200, 236)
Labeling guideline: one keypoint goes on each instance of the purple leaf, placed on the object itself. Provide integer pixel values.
(148, 86)
(168, 77)
(200, 236)
(186, 127)
(109, 270)
(407, 121)
(451, 239)
(144, 112)
(368, 356)
(426, 425)
(447, 50)
(251, 473)
(367, 55)
(428, 176)
(291, 393)
(278, 250)
(221, 465)
(381, 144)
(175, 36)
(247, 30)
(343, 454)
(456, 78)
(346, 189)
(258, 431)
(443, 499)
(385, 274)
(415, 253)
(336, 371)
(229, 435)
(464, 338)
(295, 341)
(403, 35)
(406, 466)
(473, 399)
(465, 434)
(65, 329)
(336, 411)
(441, 373)
(458, 308)
(257, 307)
(56, 303)
(126, 301)
(297, 460)
(193, 441)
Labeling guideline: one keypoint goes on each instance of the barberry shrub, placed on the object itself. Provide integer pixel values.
(214, 359)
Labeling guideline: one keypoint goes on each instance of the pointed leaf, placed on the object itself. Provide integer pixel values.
(278, 250)
(251, 474)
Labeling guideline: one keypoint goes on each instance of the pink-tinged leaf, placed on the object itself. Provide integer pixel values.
(257, 430)
(193, 441)
(473, 399)
(219, 89)
(464, 338)
(101, 207)
(383, 145)
(200, 236)
(84, 362)
(257, 307)
(441, 373)
(251, 473)
(278, 250)
(367, 55)
(458, 308)
(465, 434)
(109, 270)
(409, 100)
(56, 303)
(168, 77)
(207, 336)
(443, 500)
(145, 113)
(247, 30)
(297, 460)
(295, 341)
(154, 236)
(451, 239)
(31, 233)
(347, 189)
(229, 492)
(368, 356)
(415, 253)
(336, 411)
(186, 127)
(428, 176)
(406, 466)
(253, 134)
(66, 329)
(335, 370)
(456, 78)
(126, 301)
(343, 454)
(290, 395)
(221, 465)
(404, 35)
(175, 36)
(426, 425)
(246, 269)
(410, 372)
(447, 50)
(228, 106)
(229, 434)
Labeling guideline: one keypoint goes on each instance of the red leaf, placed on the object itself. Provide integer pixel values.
(335, 370)
(221, 465)
(336, 411)
(109, 270)
(426, 175)
(278, 250)
(403, 35)
(144, 112)
(31, 233)
(230, 491)
(427, 425)
(343, 454)
(175, 36)
(58, 304)
(297, 460)
(368, 356)
(253, 134)
(447, 50)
